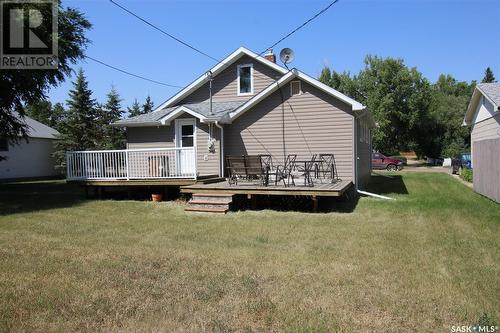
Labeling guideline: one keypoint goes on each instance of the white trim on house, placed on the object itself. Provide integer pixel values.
(294, 73)
(229, 60)
(472, 108)
(238, 91)
(177, 112)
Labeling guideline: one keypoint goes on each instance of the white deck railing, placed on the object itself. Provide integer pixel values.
(155, 163)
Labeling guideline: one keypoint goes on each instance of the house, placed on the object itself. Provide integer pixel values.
(483, 115)
(245, 105)
(32, 158)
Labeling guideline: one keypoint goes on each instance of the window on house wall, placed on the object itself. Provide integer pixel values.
(245, 79)
(4, 144)
(295, 88)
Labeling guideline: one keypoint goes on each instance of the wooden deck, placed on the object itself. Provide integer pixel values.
(319, 189)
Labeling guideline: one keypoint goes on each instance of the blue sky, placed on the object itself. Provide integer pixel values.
(455, 37)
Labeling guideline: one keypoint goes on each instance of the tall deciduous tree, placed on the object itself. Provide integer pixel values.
(488, 76)
(81, 129)
(21, 87)
(399, 99)
(449, 101)
(135, 109)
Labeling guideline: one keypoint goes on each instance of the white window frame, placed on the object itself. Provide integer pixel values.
(239, 93)
(300, 87)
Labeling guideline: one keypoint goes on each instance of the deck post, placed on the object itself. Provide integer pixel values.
(126, 163)
(253, 200)
(315, 203)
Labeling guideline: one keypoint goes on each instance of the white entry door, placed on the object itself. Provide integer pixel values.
(185, 133)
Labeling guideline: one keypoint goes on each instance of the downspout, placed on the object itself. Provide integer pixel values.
(221, 169)
(210, 79)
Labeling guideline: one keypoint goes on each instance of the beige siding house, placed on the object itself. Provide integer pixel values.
(483, 115)
(245, 105)
(263, 115)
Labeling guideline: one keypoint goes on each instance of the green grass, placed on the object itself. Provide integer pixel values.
(425, 261)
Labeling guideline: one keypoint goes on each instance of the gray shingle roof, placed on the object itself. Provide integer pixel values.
(491, 90)
(38, 130)
(219, 110)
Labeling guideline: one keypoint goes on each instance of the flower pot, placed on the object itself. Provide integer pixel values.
(156, 197)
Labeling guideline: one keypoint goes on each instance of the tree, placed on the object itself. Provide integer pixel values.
(44, 112)
(399, 99)
(449, 100)
(488, 76)
(325, 76)
(148, 105)
(135, 109)
(40, 111)
(112, 138)
(20, 87)
(81, 130)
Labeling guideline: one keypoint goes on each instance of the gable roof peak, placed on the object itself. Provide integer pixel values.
(219, 67)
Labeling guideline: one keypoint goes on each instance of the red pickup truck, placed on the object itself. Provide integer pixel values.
(380, 161)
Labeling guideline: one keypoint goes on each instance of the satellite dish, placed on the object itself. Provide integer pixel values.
(287, 55)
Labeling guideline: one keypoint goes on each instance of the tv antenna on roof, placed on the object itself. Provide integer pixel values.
(287, 55)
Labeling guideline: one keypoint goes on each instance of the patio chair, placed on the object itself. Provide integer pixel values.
(269, 167)
(331, 170)
(255, 169)
(325, 166)
(236, 169)
(285, 172)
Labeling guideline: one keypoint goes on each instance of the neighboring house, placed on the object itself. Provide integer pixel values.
(254, 107)
(483, 115)
(30, 159)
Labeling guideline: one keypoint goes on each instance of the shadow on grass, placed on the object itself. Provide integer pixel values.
(286, 203)
(387, 184)
(23, 197)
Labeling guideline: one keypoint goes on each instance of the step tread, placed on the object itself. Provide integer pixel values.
(212, 195)
(209, 202)
(205, 209)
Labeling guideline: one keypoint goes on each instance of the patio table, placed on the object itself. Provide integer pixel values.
(306, 179)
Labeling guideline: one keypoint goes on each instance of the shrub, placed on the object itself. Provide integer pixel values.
(466, 175)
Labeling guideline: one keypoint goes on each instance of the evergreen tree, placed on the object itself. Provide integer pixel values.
(112, 138)
(148, 105)
(57, 117)
(44, 112)
(135, 109)
(40, 111)
(325, 76)
(488, 76)
(80, 130)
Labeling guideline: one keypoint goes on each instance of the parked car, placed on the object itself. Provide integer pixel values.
(461, 161)
(380, 161)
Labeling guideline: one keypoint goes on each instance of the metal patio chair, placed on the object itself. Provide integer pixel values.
(284, 173)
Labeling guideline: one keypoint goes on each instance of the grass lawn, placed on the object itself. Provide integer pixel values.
(425, 261)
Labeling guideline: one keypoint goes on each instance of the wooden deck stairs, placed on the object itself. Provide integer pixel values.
(209, 202)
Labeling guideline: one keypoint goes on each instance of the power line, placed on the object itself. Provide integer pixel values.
(163, 31)
(132, 74)
(301, 26)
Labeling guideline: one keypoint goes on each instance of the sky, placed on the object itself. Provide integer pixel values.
(460, 38)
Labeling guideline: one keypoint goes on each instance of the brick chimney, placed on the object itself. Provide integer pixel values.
(270, 55)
